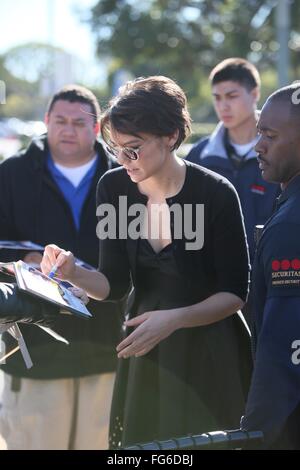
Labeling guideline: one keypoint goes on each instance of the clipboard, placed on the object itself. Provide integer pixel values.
(27, 245)
(33, 282)
(20, 245)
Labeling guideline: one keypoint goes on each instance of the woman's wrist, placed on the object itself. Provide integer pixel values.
(177, 317)
(73, 278)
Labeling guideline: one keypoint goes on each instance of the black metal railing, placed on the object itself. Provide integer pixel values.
(236, 439)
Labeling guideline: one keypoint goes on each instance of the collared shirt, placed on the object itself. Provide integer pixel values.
(75, 196)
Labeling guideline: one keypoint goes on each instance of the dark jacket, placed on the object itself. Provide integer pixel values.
(33, 208)
(273, 404)
(175, 384)
(256, 195)
(214, 267)
(16, 306)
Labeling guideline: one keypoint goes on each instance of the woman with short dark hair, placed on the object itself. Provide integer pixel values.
(173, 231)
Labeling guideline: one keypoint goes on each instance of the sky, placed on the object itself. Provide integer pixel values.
(23, 21)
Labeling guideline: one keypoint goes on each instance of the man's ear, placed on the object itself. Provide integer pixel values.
(256, 94)
(97, 128)
(46, 119)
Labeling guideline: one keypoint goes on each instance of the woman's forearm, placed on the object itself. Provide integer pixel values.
(94, 283)
(215, 308)
(152, 327)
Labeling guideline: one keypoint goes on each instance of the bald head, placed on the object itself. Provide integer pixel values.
(279, 145)
(288, 98)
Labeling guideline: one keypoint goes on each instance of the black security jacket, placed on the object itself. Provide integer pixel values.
(16, 306)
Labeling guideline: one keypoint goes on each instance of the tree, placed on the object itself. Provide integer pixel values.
(27, 71)
(19, 94)
(184, 39)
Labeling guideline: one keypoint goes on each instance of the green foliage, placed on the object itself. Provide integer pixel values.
(184, 39)
(18, 94)
(23, 69)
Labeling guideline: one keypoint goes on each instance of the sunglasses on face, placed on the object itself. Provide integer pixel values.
(128, 152)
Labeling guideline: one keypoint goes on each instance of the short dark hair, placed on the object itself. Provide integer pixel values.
(237, 70)
(76, 94)
(154, 105)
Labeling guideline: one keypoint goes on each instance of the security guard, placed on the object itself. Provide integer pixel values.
(274, 399)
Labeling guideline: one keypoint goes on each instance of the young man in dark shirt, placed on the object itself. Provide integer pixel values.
(229, 150)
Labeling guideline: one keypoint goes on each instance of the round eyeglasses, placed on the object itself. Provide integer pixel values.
(132, 154)
(128, 152)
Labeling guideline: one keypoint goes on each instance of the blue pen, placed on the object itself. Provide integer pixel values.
(53, 271)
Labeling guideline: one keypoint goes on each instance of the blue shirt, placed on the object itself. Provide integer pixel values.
(75, 196)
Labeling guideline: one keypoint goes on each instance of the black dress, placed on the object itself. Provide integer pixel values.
(194, 381)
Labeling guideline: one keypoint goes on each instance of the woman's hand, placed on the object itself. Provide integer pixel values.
(34, 258)
(63, 260)
(80, 293)
(151, 328)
